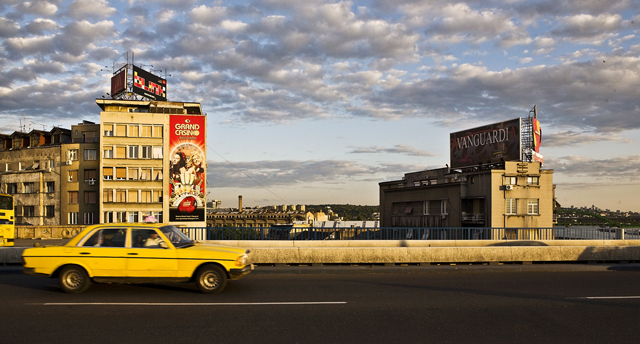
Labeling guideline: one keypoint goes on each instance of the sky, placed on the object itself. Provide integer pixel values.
(316, 102)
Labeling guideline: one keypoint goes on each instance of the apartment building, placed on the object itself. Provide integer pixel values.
(512, 194)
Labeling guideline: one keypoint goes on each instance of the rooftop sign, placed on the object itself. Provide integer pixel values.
(488, 144)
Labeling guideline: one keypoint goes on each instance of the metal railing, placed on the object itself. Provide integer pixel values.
(396, 233)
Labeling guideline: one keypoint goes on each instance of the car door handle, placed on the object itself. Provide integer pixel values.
(132, 254)
(85, 253)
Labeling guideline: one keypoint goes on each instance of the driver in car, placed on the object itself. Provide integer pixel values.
(153, 240)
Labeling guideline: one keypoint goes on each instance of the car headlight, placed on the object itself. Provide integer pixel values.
(242, 260)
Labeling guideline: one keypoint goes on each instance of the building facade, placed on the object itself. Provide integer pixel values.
(30, 170)
(511, 194)
(137, 173)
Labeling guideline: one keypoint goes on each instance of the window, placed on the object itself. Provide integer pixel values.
(121, 130)
(145, 174)
(532, 206)
(51, 163)
(157, 174)
(145, 196)
(108, 217)
(121, 173)
(107, 173)
(108, 152)
(510, 181)
(146, 152)
(88, 218)
(73, 218)
(73, 154)
(121, 152)
(73, 197)
(133, 130)
(107, 195)
(133, 196)
(89, 136)
(28, 210)
(133, 173)
(143, 237)
(35, 140)
(133, 152)
(425, 208)
(90, 154)
(51, 187)
(443, 207)
(146, 131)
(511, 206)
(533, 180)
(157, 196)
(12, 188)
(157, 215)
(49, 211)
(121, 216)
(90, 176)
(107, 237)
(108, 129)
(157, 131)
(73, 175)
(89, 197)
(133, 216)
(121, 196)
(28, 187)
(157, 152)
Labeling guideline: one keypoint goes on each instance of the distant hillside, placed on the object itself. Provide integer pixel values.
(348, 212)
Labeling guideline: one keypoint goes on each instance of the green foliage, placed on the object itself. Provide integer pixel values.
(348, 212)
(582, 217)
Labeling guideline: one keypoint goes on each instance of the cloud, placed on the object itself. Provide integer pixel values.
(397, 149)
(572, 138)
(615, 168)
(293, 172)
(81, 9)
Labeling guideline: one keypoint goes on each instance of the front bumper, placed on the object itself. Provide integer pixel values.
(235, 274)
(32, 272)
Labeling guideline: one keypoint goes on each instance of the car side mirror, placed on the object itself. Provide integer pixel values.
(164, 244)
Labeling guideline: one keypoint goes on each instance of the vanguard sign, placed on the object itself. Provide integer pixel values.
(487, 144)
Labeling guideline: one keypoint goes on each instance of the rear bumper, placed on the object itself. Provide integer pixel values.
(235, 274)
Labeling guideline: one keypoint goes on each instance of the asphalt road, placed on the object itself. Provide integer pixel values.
(408, 306)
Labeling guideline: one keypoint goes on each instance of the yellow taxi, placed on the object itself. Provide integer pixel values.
(137, 253)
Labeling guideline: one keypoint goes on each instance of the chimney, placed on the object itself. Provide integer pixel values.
(240, 203)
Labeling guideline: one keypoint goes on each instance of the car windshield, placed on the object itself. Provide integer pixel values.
(175, 235)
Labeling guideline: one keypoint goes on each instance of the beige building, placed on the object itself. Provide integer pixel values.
(507, 195)
(30, 170)
(134, 166)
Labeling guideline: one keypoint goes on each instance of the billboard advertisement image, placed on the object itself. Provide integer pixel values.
(149, 85)
(187, 171)
(119, 82)
(488, 144)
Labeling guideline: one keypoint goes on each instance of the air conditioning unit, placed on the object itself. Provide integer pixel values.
(92, 182)
(50, 169)
(508, 187)
(69, 162)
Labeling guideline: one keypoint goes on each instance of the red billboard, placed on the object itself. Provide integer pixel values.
(119, 82)
(149, 85)
(187, 166)
(488, 144)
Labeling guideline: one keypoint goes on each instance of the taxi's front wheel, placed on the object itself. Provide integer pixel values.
(74, 280)
(210, 279)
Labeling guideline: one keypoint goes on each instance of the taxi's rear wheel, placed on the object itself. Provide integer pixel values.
(74, 280)
(210, 279)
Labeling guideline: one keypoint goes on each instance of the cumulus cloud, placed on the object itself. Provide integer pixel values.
(81, 9)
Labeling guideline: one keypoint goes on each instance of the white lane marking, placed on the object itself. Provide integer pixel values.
(607, 297)
(188, 303)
